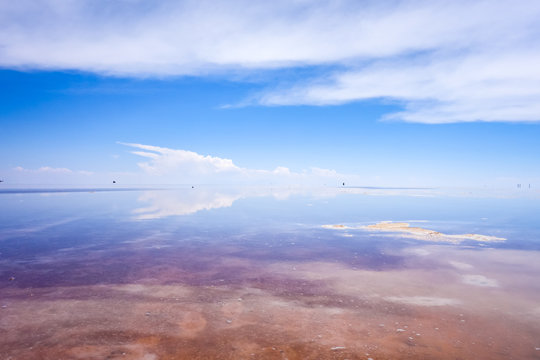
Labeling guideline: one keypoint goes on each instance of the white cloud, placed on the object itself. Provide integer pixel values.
(444, 61)
(458, 88)
(164, 160)
(181, 166)
(186, 37)
(171, 166)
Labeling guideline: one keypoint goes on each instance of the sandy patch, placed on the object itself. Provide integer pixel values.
(339, 227)
(418, 233)
(192, 324)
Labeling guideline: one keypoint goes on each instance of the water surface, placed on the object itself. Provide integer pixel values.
(252, 273)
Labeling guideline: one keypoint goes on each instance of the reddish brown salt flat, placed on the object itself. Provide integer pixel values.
(226, 305)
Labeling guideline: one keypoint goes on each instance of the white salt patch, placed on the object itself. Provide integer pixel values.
(479, 280)
(419, 251)
(460, 265)
(422, 300)
(133, 288)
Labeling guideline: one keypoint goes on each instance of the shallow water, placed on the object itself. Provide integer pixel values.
(251, 273)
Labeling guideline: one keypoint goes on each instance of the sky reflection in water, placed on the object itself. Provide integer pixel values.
(227, 272)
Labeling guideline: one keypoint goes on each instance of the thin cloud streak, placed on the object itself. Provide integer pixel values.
(45, 169)
(52, 170)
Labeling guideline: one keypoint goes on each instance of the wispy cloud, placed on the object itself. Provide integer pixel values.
(190, 37)
(51, 170)
(443, 61)
(458, 88)
(182, 166)
(44, 169)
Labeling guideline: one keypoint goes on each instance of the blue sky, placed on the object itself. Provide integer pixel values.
(396, 93)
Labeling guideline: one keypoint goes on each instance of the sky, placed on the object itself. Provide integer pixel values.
(370, 93)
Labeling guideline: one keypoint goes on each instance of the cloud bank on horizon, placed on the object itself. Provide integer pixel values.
(442, 61)
(163, 166)
(182, 166)
(167, 166)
